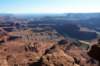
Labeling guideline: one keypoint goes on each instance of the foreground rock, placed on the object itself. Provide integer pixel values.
(42, 49)
(65, 54)
(95, 51)
(55, 57)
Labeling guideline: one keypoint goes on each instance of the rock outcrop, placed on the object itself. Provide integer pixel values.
(95, 51)
(55, 57)
(65, 54)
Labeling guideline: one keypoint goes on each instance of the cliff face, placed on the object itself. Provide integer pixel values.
(95, 51)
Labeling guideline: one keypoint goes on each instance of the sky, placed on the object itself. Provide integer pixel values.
(49, 6)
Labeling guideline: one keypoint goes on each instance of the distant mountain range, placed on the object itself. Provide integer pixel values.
(70, 16)
(82, 15)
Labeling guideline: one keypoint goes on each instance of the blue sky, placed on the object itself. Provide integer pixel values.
(49, 6)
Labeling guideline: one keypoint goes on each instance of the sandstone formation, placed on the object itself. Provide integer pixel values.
(44, 48)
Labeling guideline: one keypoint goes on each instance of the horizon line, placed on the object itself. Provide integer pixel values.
(52, 13)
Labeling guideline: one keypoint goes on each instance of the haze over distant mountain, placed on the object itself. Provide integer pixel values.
(82, 15)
